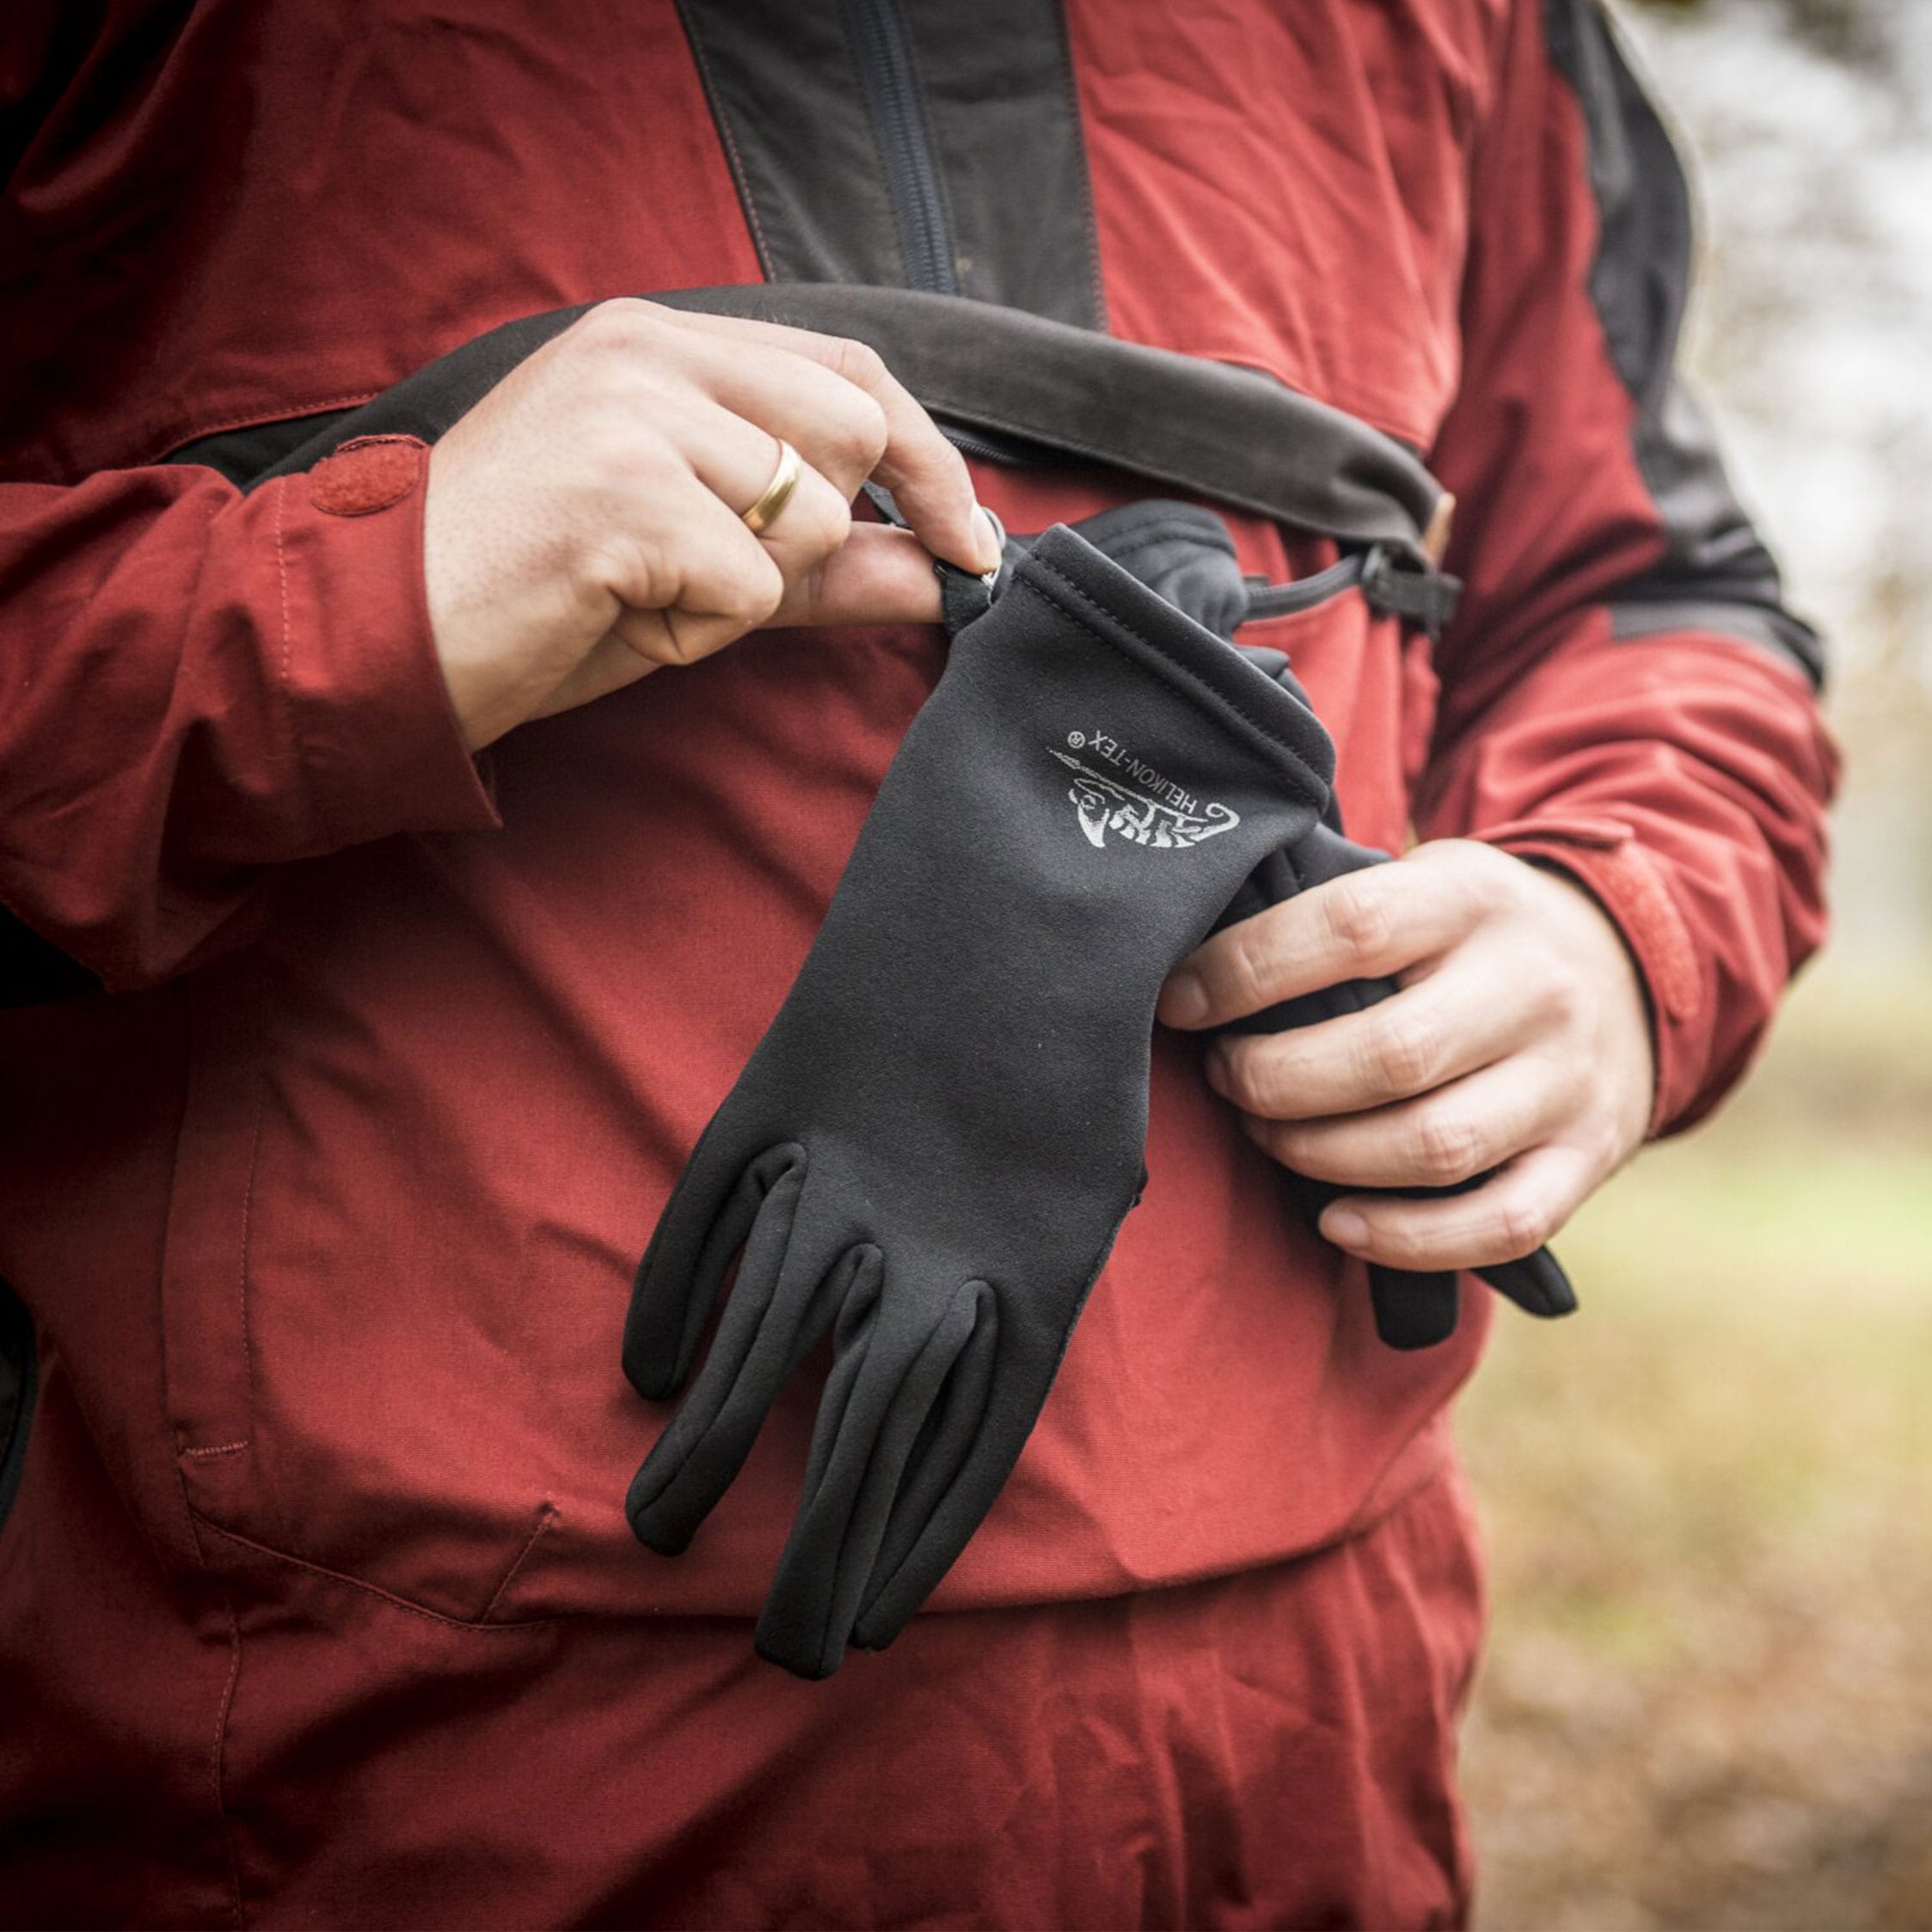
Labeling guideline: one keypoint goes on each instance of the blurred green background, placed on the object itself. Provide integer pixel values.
(1708, 1701)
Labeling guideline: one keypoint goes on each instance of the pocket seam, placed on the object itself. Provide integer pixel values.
(495, 1627)
(207, 1342)
(12, 1449)
(241, 1287)
(547, 1514)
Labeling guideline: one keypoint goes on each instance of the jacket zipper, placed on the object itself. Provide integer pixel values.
(898, 125)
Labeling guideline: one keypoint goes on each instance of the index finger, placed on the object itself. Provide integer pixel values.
(928, 477)
(1370, 924)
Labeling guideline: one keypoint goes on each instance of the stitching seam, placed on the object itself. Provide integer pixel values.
(254, 421)
(218, 1765)
(720, 118)
(545, 1517)
(289, 709)
(1201, 689)
(227, 1701)
(375, 1591)
(1089, 223)
(247, 1214)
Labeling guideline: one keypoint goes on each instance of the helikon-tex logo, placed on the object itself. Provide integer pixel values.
(1114, 791)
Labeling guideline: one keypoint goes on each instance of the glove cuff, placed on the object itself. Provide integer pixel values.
(1210, 673)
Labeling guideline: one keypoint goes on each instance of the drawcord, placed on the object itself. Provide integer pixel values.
(1420, 595)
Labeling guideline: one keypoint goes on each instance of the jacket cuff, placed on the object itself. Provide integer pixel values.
(375, 738)
(1606, 858)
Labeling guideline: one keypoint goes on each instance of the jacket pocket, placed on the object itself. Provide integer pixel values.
(309, 1336)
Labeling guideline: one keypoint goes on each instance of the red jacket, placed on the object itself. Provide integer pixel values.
(327, 1220)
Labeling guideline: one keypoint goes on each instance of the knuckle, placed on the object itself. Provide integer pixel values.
(1603, 1148)
(1358, 922)
(615, 560)
(755, 598)
(857, 439)
(1403, 1054)
(826, 524)
(1247, 1083)
(1448, 1150)
(1494, 880)
(857, 362)
(1521, 1227)
(619, 324)
(1505, 871)
(1250, 963)
(1565, 999)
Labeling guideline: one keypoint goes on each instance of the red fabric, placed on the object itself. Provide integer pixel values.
(1184, 1757)
(330, 1230)
(202, 687)
(220, 216)
(1708, 750)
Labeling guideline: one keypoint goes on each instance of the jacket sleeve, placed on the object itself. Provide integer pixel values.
(1624, 694)
(202, 687)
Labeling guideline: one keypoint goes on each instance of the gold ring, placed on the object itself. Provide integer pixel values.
(778, 492)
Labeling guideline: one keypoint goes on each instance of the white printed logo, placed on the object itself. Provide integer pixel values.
(1115, 792)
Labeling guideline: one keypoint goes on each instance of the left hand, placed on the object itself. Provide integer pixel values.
(1519, 1042)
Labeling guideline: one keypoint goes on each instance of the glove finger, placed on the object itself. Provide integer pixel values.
(1412, 1309)
(872, 1419)
(1537, 1285)
(786, 1291)
(912, 1559)
(956, 1516)
(709, 1215)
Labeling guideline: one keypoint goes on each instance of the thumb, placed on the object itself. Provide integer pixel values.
(878, 575)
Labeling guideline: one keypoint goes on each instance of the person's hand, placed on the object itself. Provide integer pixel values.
(583, 525)
(1519, 1042)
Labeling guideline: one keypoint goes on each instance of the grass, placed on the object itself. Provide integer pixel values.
(1708, 1700)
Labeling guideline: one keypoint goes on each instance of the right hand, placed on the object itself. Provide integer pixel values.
(583, 523)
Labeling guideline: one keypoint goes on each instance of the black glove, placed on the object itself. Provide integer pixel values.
(1183, 551)
(933, 1146)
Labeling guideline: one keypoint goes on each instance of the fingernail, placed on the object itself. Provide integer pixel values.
(986, 552)
(1185, 1002)
(1344, 1227)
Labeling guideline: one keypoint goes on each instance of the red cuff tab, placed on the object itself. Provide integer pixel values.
(367, 474)
(1606, 858)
